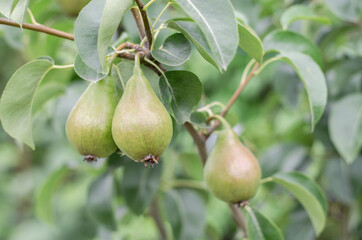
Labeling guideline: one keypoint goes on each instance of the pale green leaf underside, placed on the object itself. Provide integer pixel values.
(345, 126)
(5, 7)
(308, 194)
(19, 11)
(17, 99)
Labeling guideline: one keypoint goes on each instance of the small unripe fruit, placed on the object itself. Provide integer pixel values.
(142, 127)
(72, 7)
(89, 125)
(232, 173)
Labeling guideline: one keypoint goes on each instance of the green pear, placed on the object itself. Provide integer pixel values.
(89, 125)
(232, 173)
(142, 127)
(72, 7)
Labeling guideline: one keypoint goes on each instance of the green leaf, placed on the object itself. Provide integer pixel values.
(184, 95)
(313, 80)
(5, 7)
(86, 72)
(17, 100)
(260, 227)
(308, 194)
(287, 41)
(185, 211)
(175, 50)
(192, 165)
(94, 28)
(45, 93)
(250, 42)
(345, 126)
(140, 184)
(300, 12)
(45, 194)
(193, 33)
(216, 20)
(99, 201)
(19, 11)
(345, 9)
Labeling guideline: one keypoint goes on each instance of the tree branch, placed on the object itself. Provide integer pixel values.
(38, 28)
(239, 219)
(155, 214)
(138, 19)
(199, 141)
(233, 98)
(146, 23)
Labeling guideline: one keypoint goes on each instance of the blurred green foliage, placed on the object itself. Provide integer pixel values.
(272, 113)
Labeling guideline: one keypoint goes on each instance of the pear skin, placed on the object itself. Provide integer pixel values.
(232, 173)
(142, 127)
(89, 125)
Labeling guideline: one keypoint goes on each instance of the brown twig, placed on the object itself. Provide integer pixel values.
(139, 22)
(199, 141)
(233, 98)
(155, 214)
(239, 219)
(38, 28)
(146, 23)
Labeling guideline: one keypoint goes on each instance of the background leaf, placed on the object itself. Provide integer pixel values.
(300, 12)
(175, 50)
(19, 11)
(94, 28)
(44, 197)
(215, 28)
(313, 80)
(287, 41)
(185, 93)
(5, 7)
(99, 201)
(250, 42)
(140, 184)
(86, 72)
(185, 210)
(193, 33)
(345, 126)
(308, 194)
(345, 9)
(17, 99)
(260, 227)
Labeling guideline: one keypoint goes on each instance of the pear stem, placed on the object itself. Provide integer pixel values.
(222, 120)
(234, 97)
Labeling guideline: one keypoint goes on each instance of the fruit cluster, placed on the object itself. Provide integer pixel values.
(141, 128)
(139, 125)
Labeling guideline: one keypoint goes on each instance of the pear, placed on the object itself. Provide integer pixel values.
(89, 125)
(72, 7)
(231, 172)
(142, 127)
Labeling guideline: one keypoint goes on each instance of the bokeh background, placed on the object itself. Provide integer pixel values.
(271, 116)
